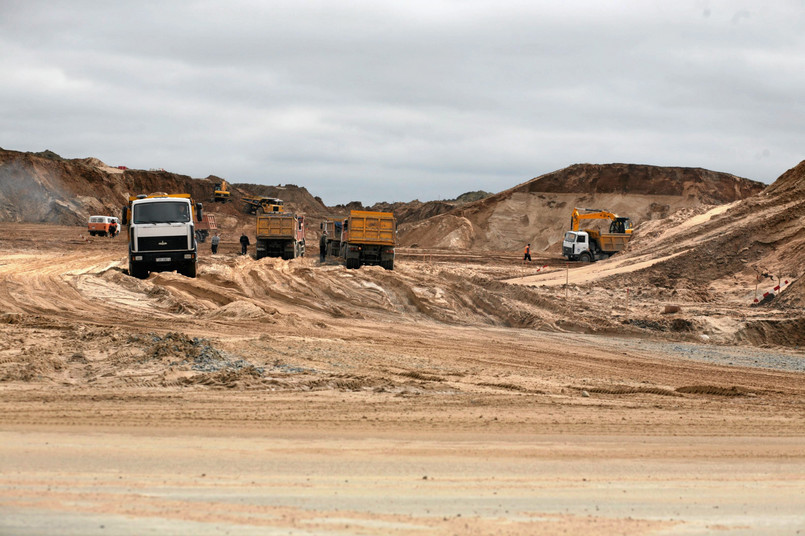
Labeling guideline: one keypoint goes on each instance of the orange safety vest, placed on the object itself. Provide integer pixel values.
(527, 249)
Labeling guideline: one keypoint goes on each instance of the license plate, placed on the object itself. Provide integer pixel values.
(163, 259)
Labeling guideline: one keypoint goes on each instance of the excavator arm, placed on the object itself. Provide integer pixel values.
(618, 225)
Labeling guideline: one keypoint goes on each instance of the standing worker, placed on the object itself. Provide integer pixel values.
(323, 247)
(112, 229)
(527, 256)
(244, 244)
(214, 243)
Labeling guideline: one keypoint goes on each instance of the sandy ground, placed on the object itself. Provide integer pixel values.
(273, 397)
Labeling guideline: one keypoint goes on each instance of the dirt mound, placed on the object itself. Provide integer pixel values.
(538, 211)
(46, 188)
(790, 184)
(702, 185)
(416, 210)
(784, 332)
(239, 309)
(759, 235)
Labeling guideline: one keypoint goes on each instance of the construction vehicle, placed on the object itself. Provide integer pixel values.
(221, 193)
(369, 238)
(588, 245)
(206, 226)
(280, 234)
(99, 225)
(333, 230)
(259, 203)
(161, 232)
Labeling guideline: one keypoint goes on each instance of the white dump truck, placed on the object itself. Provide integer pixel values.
(161, 233)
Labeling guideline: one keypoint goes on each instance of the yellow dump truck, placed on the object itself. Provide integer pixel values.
(258, 203)
(280, 234)
(369, 238)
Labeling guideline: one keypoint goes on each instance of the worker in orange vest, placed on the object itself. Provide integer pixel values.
(527, 256)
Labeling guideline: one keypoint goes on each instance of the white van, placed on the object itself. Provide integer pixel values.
(99, 225)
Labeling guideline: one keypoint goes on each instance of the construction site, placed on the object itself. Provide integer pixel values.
(642, 373)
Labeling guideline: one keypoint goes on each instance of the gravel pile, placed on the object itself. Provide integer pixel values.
(199, 353)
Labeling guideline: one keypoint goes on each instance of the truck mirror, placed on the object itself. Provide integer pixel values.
(124, 216)
(199, 214)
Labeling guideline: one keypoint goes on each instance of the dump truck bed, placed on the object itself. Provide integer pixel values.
(207, 223)
(610, 242)
(614, 242)
(279, 225)
(376, 228)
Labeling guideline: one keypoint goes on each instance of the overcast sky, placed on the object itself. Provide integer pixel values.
(379, 100)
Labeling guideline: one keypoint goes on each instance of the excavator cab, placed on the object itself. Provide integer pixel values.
(621, 226)
(271, 204)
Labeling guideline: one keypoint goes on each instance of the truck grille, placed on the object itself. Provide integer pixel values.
(157, 243)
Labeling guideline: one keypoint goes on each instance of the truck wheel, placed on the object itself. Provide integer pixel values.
(353, 263)
(585, 257)
(189, 270)
(388, 265)
(136, 270)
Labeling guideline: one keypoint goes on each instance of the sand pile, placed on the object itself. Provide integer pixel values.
(763, 235)
(538, 211)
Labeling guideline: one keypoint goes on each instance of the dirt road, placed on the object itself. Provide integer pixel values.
(273, 397)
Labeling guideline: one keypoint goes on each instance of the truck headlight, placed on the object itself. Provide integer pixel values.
(138, 257)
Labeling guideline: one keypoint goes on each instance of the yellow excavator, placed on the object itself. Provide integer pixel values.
(221, 193)
(619, 224)
(588, 245)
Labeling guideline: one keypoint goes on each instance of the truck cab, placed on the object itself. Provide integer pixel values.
(333, 229)
(576, 246)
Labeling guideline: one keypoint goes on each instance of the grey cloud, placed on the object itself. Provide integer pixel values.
(393, 101)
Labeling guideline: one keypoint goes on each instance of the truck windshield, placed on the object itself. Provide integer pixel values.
(161, 213)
